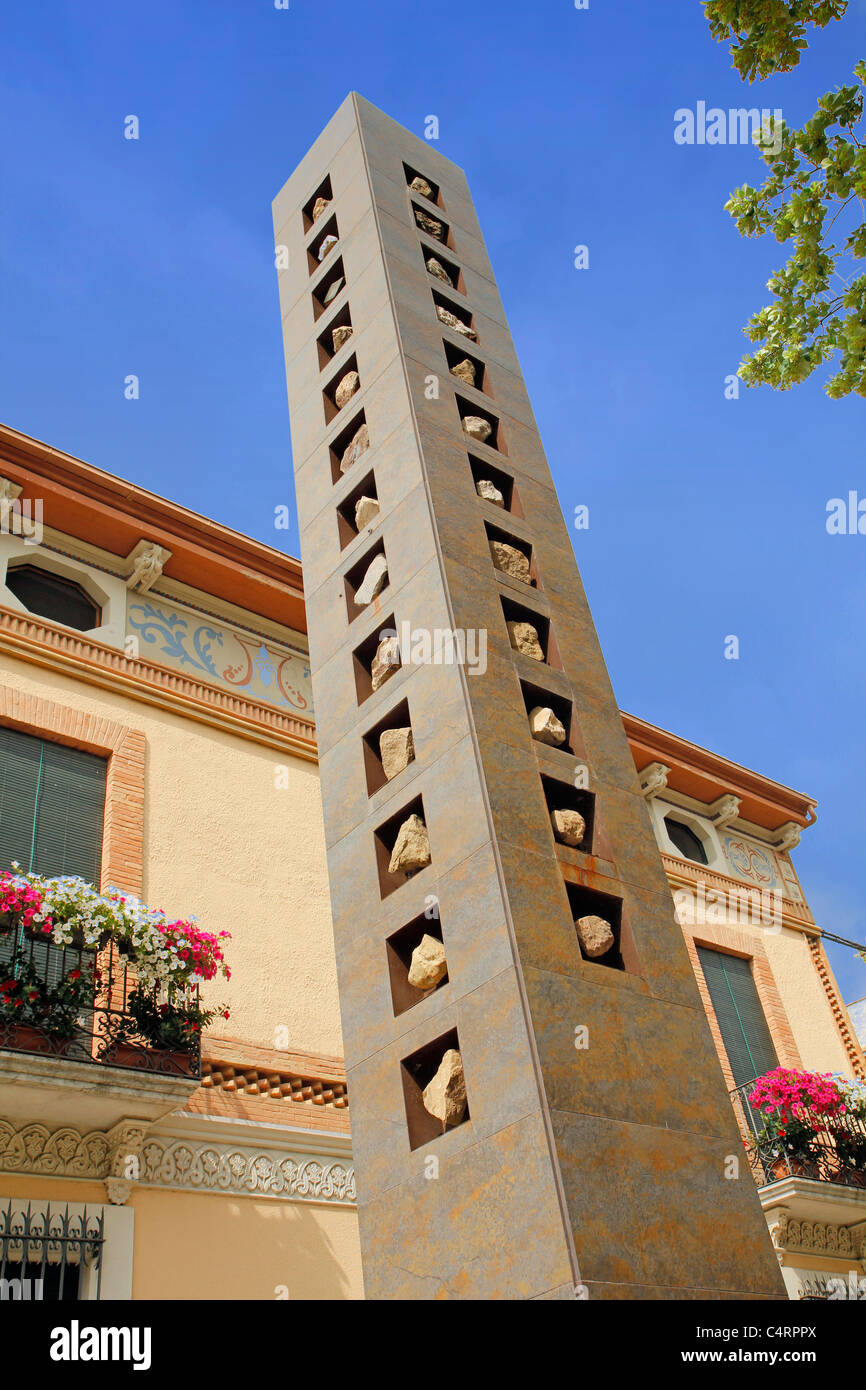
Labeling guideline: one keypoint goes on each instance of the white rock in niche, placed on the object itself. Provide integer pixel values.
(595, 936)
(511, 561)
(490, 492)
(397, 750)
(568, 826)
(545, 727)
(366, 510)
(373, 582)
(445, 1096)
(340, 335)
(411, 850)
(346, 388)
(428, 964)
(437, 268)
(477, 427)
(524, 639)
(385, 662)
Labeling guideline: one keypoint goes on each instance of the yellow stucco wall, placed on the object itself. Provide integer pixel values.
(54, 1190)
(224, 842)
(198, 1245)
(205, 1245)
(805, 1003)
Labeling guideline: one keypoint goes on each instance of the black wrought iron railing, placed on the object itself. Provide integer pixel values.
(827, 1148)
(48, 1254)
(77, 1004)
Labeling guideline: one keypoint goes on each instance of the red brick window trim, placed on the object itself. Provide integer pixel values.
(736, 943)
(124, 748)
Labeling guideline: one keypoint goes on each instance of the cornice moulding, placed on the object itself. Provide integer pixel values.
(61, 650)
(189, 1154)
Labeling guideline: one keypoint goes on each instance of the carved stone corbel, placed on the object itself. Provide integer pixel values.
(653, 779)
(9, 491)
(789, 837)
(779, 1234)
(146, 561)
(125, 1141)
(724, 810)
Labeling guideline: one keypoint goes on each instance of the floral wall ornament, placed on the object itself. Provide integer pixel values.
(816, 1237)
(209, 1167)
(64, 1153)
(250, 663)
(193, 1164)
(170, 632)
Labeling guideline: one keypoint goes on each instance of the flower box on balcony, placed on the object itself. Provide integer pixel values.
(805, 1125)
(793, 1168)
(150, 1059)
(21, 1037)
(131, 998)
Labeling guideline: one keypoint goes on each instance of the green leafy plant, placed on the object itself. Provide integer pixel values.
(849, 1134)
(851, 1148)
(795, 1140)
(174, 1024)
(27, 998)
(813, 197)
(768, 36)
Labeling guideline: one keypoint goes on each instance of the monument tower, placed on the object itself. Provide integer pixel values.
(537, 1108)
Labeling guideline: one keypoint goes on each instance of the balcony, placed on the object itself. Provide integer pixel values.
(835, 1152)
(812, 1188)
(78, 1056)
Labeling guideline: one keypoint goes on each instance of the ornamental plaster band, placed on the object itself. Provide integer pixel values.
(543, 1114)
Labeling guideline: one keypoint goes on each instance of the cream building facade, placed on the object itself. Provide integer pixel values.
(726, 837)
(192, 686)
(190, 689)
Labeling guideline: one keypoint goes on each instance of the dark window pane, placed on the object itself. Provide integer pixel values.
(60, 1282)
(53, 597)
(686, 841)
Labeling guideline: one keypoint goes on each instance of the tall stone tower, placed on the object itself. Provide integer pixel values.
(537, 1107)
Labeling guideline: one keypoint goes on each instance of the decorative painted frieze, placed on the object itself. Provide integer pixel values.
(750, 861)
(243, 662)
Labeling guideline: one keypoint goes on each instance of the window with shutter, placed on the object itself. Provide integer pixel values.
(741, 1019)
(52, 809)
(52, 806)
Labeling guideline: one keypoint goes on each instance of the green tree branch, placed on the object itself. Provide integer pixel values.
(813, 172)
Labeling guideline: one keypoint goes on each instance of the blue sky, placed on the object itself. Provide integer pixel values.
(707, 516)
